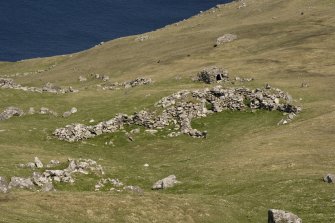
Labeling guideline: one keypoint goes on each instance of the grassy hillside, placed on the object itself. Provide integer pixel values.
(246, 165)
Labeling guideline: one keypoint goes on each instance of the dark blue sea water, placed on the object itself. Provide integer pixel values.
(38, 28)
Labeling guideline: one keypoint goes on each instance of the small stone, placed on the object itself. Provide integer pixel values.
(73, 110)
(146, 165)
(67, 114)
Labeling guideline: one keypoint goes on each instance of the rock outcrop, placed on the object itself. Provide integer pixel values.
(128, 84)
(167, 182)
(279, 216)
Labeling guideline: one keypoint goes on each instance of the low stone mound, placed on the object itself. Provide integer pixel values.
(167, 182)
(180, 108)
(48, 87)
(279, 216)
(10, 112)
(226, 38)
(128, 84)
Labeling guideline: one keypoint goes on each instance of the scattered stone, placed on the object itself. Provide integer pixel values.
(134, 189)
(48, 187)
(48, 87)
(212, 75)
(329, 178)
(226, 38)
(167, 182)
(141, 38)
(22, 183)
(279, 216)
(128, 84)
(304, 85)
(116, 184)
(45, 111)
(146, 165)
(3, 185)
(91, 121)
(31, 111)
(53, 163)
(243, 79)
(10, 112)
(82, 79)
(67, 114)
(151, 131)
(135, 131)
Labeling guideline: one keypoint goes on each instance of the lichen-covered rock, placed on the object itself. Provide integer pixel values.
(167, 182)
(279, 216)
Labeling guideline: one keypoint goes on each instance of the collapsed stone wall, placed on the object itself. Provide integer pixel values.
(8, 83)
(128, 84)
(181, 108)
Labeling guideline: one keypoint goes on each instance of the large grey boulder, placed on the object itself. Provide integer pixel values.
(167, 182)
(279, 216)
(3, 185)
(20, 182)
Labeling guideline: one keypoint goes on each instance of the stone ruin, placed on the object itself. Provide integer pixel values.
(128, 84)
(8, 83)
(213, 74)
(44, 181)
(179, 109)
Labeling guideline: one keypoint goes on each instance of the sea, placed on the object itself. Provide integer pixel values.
(40, 28)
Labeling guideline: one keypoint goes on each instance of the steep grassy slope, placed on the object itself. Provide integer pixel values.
(246, 165)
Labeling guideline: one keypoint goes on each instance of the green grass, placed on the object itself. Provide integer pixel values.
(245, 166)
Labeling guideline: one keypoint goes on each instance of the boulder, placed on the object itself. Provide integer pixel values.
(167, 182)
(38, 162)
(67, 114)
(279, 216)
(10, 112)
(3, 185)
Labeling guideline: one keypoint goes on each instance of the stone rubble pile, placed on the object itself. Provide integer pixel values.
(128, 84)
(8, 83)
(180, 108)
(226, 38)
(10, 112)
(45, 180)
(279, 216)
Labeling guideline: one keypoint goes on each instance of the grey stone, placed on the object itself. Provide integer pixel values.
(3, 185)
(20, 182)
(279, 216)
(167, 182)
(10, 112)
(134, 189)
(48, 187)
(67, 114)
(38, 163)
